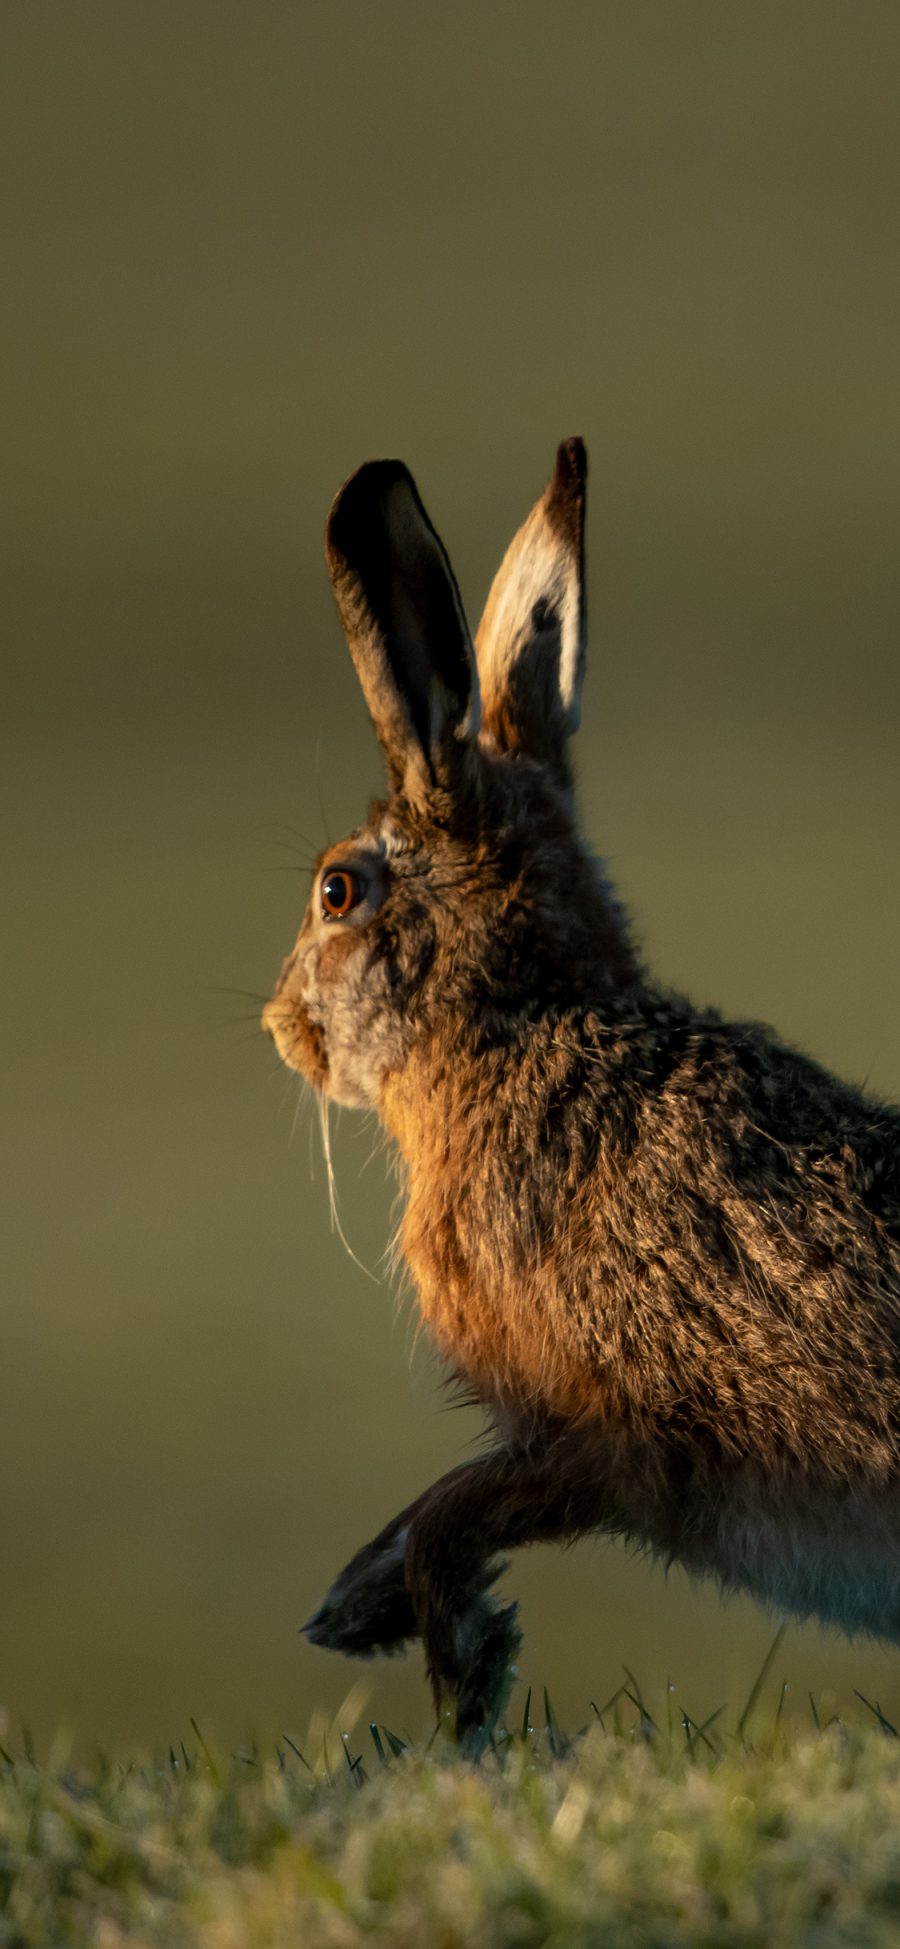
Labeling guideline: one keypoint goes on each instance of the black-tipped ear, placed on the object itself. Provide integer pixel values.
(530, 643)
(404, 622)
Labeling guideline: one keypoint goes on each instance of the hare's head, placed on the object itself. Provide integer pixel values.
(468, 893)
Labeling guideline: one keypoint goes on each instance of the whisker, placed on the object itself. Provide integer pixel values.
(287, 846)
(301, 1098)
(289, 1083)
(283, 833)
(318, 778)
(336, 1225)
(379, 1146)
(218, 988)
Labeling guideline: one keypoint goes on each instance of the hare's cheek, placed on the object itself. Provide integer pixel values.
(339, 949)
(347, 991)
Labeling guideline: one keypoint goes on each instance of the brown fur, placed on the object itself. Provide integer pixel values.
(662, 1248)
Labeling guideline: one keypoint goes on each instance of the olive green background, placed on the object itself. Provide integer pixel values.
(246, 248)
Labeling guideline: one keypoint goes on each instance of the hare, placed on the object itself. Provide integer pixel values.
(661, 1248)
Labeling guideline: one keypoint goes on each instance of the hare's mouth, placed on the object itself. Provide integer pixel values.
(299, 1041)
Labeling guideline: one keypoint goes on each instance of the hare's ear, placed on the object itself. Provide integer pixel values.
(404, 622)
(530, 644)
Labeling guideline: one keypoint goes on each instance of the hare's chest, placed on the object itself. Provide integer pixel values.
(480, 1248)
(501, 1326)
(467, 1314)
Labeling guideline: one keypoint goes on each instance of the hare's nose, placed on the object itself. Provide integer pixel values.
(275, 1011)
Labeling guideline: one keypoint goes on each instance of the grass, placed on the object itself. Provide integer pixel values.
(646, 1828)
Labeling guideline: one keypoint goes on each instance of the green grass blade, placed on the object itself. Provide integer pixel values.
(377, 1742)
(877, 1713)
(759, 1681)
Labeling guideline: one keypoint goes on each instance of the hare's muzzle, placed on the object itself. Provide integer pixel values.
(298, 1039)
(270, 1018)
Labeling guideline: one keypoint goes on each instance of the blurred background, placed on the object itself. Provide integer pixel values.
(246, 248)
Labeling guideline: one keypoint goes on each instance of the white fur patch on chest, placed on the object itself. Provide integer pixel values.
(844, 1571)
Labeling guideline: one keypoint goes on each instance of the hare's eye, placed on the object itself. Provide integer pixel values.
(341, 892)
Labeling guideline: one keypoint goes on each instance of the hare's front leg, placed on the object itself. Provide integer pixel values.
(428, 1573)
(500, 1502)
(368, 1608)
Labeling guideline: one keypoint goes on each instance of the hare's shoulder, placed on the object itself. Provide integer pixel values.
(660, 1065)
(644, 1078)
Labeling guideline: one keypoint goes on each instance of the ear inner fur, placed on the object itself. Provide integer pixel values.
(404, 622)
(531, 639)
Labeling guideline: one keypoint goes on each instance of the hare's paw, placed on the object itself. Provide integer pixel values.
(367, 1610)
(475, 1662)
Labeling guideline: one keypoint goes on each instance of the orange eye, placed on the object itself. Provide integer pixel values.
(342, 890)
